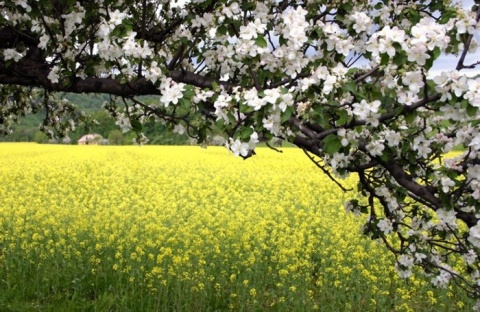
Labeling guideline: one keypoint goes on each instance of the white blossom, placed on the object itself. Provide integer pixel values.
(385, 225)
(11, 54)
(447, 218)
(53, 76)
(474, 235)
(123, 122)
(238, 147)
(171, 91)
(116, 17)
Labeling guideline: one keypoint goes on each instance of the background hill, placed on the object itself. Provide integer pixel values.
(27, 129)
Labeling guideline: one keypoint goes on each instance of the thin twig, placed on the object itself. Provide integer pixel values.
(325, 171)
(466, 47)
(273, 148)
(367, 74)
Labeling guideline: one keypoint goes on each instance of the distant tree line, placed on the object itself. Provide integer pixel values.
(27, 130)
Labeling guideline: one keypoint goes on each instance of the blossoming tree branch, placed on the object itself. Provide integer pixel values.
(346, 81)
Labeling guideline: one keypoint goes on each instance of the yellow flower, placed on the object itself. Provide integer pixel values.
(163, 218)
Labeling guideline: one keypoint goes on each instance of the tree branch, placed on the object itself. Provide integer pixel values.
(325, 171)
(466, 48)
(33, 72)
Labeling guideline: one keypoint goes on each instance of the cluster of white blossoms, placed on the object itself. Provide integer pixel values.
(171, 91)
(12, 54)
(444, 277)
(275, 97)
(123, 122)
(252, 29)
(447, 218)
(222, 106)
(474, 236)
(337, 39)
(382, 41)
(288, 57)
(367, 111)
(294, 28)
(239, 148)
(404, 265)
(385, 225)
(73, 19)
(112, 47)
(328, 78)
(361, 22)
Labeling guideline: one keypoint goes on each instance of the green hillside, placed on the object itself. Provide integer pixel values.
(26, 130)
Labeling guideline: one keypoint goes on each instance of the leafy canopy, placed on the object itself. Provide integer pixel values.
(347, 81)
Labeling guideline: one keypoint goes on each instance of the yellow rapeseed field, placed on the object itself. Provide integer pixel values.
(185, 228)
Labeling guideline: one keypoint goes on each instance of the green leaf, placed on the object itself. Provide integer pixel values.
(350, 87)
(319, 118)
(436, 53)
(385, 155)
(263, 76)
(245, 108)
(475, 123)
(221, 30)
(472, 110)
(398, 110)
(247, 6)
(352, 71)
(405, 148)
(428, 63)
(347, 7)
(128, 24)
(202, 135)
(413, 157)
(287, 114)
(261, 42)
(410, 117)
(379, 5)
(435, 6)
(399, 59)
(136, 125)
(361, 95)
(246, 133)
(332, 144)
(376, 95)
(384, 59)
(189, 93)
(342, 117)
(413, 15)
(184, 102)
